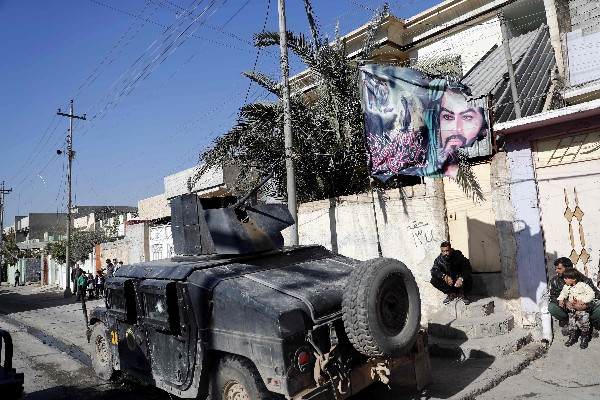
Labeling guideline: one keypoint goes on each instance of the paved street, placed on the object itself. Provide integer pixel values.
(565, 373)
(47, 349)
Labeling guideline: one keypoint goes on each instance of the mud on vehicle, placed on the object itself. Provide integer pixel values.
(242, 317)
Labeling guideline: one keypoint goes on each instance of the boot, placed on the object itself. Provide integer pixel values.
(585, 339)
(573, 336)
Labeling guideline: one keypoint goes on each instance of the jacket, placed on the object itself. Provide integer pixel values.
(580, 291)
(557, 283)
(456, 266)
(82, 281)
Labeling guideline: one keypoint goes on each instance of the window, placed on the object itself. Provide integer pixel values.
(117, 300)
(160, 304)
(156, 307)
(121, 298)
(157, 250)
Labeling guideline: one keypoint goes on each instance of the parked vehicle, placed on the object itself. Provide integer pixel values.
(253, 320)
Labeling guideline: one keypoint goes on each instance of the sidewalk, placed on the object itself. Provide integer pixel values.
(59, 322)
(47, 315)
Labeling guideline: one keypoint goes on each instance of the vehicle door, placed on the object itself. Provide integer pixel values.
(128, 335)
(166, 323)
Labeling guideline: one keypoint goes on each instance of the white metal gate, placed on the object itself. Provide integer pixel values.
(568, 179)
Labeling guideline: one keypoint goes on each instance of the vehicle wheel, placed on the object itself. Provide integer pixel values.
(381, 309)
(236, 378)
(102, 358)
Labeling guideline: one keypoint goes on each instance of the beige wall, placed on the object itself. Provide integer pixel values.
(117, 249)
(472, 226)
(155, 207)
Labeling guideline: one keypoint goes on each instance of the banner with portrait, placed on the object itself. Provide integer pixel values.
(415, 125)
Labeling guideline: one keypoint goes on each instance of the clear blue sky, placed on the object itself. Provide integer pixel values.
(150, 108)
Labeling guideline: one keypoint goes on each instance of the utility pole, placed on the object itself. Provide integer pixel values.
(3, 191)
(287, 125)
(509, 64)
(70, 154)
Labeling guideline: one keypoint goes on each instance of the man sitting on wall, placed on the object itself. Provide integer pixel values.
(556, 285)
(451, 274)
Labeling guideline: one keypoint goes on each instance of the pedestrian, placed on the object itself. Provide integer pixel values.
(451, 274)
(81, 286)
(561, 313)
(110, 268)
(91, 286)
(576, 291)
(17, 277)
(74, 278)
(99, 284)
(75, 274)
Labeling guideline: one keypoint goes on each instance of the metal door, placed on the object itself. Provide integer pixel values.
(471, 226)
(568, 179)
(133, 350)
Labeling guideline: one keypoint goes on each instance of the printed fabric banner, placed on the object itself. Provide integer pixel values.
(415, 125)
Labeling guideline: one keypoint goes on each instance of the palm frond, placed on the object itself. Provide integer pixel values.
(373, 27)
(466, 178)
(263, 80)
(314, 29)
(447, 66)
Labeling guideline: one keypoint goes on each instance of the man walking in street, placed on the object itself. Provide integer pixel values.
(556, 285)
(451, 274)
(17, 277)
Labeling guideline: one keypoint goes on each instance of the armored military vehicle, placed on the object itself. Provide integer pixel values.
(235, 315)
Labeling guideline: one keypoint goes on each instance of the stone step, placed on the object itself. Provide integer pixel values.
(457, 309)
(481, 347)
(471, 328)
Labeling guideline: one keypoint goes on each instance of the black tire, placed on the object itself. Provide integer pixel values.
(381, 309)
(102, 358)
(236, 378)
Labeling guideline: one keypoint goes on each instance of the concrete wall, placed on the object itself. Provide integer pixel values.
(410, 224)
(117, 249)
(504, 220)
(583, 56)
(156, 207)
(526, 227)
(54, 272)
(584, 15)
(137, 243)
(487, 33)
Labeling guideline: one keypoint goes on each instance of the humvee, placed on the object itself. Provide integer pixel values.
(235, 315)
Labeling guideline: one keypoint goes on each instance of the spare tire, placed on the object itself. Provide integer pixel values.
(381, 309)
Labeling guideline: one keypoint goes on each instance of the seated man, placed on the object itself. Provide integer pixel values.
(451, 274)
(556, 285)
